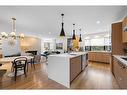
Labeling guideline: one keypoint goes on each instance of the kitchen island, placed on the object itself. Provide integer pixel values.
(64, 68)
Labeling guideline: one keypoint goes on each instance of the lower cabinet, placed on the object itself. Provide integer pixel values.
(120, 73)
(75, 67)
(99, 56)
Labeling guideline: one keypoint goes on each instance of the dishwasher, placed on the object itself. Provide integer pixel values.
(84, 59)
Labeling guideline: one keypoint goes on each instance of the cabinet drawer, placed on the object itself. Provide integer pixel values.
(116, 69)
(99, 57)
(75, 67)
(120, 73)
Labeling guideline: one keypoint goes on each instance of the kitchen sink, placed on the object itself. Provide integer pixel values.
(124, 58)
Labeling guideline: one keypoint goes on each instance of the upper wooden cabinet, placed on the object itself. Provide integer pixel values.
(124, 31)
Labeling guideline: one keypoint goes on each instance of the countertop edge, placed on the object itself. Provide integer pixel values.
(118, 57)
(69, 55)
(100, 52)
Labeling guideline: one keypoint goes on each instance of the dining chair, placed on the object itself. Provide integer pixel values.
(35, 59)
(20, 63)
(45, 54)
(32, 62)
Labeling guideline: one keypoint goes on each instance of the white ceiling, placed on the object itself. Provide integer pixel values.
(45, 21)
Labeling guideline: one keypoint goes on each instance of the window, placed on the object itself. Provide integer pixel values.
(98, 44)
(87, 42)
(97, 48)
(87, 48)
(107, 41)
(59, 45)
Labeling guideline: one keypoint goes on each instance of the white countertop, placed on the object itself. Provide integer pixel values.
(119, 58)
(69, 55)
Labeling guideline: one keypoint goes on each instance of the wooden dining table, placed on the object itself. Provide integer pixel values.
(11, 59)
(7, 60)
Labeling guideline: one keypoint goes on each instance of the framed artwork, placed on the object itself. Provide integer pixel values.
(59, 45)
(46, 45)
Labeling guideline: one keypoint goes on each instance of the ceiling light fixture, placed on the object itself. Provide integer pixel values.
(73, 37)
(49, 33)
(98, 22)
(62, 33)
(13, 33)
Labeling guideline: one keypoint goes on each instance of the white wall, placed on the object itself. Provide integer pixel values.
(10, 47)
(49, 40)
(30, 43)
(53, 42)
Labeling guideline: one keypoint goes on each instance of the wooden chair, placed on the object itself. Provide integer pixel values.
(20, 64)
(36, 59)
(31, 61)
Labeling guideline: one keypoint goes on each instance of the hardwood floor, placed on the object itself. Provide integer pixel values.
(36, 79)
(96, 76)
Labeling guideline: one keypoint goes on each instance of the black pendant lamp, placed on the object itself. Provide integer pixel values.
(80, 38)
(62, 33)
(73, 37)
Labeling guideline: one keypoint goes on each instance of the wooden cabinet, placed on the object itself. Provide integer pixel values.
(120, 73)
(124, 32)
(75, 67)
(99, 56)
(117, 43)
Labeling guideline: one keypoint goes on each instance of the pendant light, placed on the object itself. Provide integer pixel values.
(80, 38)
(62, 33)
(73, 37)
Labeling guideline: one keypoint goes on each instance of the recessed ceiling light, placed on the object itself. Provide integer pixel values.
(49, 33)
(98, 22)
